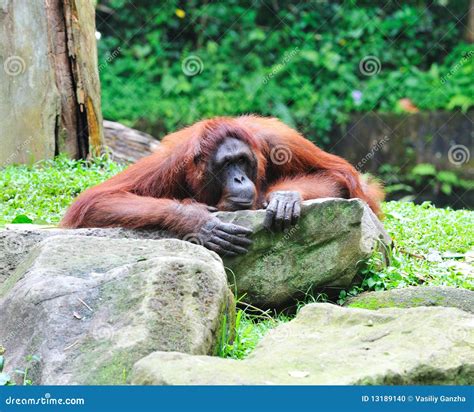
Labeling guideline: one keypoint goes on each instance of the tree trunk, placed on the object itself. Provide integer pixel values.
(49, 82)
(470, 23)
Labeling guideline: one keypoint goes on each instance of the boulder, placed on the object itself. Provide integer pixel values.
(330, 345)
(415, 296)
(91, 307)
(323, 250)
(18, 240)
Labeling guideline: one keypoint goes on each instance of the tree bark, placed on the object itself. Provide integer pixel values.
(49, 81)
(470, 23)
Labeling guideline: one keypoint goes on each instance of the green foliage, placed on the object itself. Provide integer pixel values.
(299, 62)
(249, 329)
(40, 193)
(7, 380)
(421, 177)
(4, 377)
(431, 246)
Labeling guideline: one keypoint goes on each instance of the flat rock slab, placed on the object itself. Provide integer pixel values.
(415, 296)
(330, 345)
(91, 307)
(322, 250)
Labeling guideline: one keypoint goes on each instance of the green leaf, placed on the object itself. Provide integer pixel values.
(371, 282)
(257, 35)
(22, 219)
(446, 176)
(399, 187)
(424, 169)
(446, 188)
(2, 362)
(310, 55)
(464, 102)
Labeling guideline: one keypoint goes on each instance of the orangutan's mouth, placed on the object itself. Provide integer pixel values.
(232, 204)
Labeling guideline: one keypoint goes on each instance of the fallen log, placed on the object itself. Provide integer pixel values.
(126, 145)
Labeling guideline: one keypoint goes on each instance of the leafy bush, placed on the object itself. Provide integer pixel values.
(424, 178)
(299, 62)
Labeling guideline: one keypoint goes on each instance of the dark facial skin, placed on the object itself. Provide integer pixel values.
(234, 166)
(232, 172)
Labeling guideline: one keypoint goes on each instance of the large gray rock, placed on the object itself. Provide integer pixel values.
(415, 296)
(91, 307)
(323, 249)
(329, 345)
(17, 241)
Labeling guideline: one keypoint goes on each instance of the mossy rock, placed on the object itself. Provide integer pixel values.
(324, 249)
(332, 345)
(90, 307)
(415, 296)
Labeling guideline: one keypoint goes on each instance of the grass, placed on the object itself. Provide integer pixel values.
(249, 329)
(43, 191)
(432, 246)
